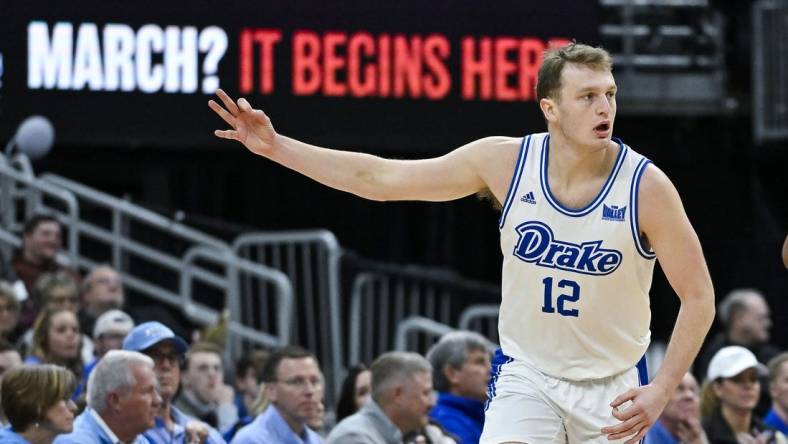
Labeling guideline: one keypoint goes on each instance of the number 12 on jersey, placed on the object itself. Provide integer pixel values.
(562, 298)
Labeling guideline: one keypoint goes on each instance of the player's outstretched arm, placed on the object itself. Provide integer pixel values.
(454, 175)
(669, 232)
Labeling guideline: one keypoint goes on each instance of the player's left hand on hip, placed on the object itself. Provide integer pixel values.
(644, 405)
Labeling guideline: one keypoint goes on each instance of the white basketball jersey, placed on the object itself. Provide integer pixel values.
(575, 298)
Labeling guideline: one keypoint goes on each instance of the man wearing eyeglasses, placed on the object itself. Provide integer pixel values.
(294, 388)
(167, 351)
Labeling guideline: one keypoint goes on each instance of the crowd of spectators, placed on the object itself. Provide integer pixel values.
(76, 368)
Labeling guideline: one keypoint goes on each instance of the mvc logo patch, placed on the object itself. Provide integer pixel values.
(538, 246)
(613, 213)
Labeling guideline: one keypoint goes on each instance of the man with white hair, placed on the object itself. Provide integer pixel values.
(401, 400)
(460, 372)
(122, 401)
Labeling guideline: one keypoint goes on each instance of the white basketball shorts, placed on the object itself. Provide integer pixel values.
(525, 405)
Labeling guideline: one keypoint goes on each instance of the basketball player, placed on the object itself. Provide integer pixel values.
(584, 217)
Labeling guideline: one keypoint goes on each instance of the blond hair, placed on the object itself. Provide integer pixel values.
(549, 78)
(30, 390)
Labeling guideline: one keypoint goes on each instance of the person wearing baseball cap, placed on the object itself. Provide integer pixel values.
(729, 396)
(167, 351)
(108, 333)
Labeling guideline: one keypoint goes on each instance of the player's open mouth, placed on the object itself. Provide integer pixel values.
(602, 129)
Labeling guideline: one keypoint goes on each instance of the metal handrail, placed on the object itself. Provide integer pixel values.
(418, 323)
(477, 311)
(334, 252)
(134, 211)
(234, 265)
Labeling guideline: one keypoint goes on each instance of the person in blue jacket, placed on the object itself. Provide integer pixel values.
(36, 401)
(461, 370)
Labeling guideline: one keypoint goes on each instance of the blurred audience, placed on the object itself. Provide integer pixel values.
(123, 401)
(167, 350)
(745, 316)
(729, 397)
(356, 390)
(293, 385)
(56, 340)
(778, 388)
(402, 397)
(108, 333)
(102, 290)
(204, 394)
(9, 312)
(746, 320)
(35, 399)
(41, 242)
(248, 373)
(680, 421)
(59, 291)
(460, 370)
(9, 357)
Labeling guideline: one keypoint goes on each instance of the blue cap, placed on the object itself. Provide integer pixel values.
(148, 334)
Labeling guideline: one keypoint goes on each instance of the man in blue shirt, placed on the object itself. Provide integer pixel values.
(122, 402)
(166, 349)
(460, 373)
(294, 387)
(680, 421)
(778, 389)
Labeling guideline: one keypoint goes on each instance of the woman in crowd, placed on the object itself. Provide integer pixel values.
(56, 340)
(59, 291)
(356, 389)
(729, 396)
(9, 312)
(36, 401)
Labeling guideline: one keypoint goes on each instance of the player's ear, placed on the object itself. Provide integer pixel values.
(548, 107)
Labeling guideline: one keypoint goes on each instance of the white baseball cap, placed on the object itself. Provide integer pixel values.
(732, 360)
(113, 320)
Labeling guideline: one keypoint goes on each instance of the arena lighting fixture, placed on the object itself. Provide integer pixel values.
(34, 137)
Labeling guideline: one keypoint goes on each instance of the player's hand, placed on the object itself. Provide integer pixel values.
(250, 126)
(646, 405)
(690, 431)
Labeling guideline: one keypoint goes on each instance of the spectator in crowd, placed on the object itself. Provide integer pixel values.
(102, 290)
(680, 421)
(35, 400)
(729, 397)
(41, 242)
(108, 333)
(167, 350)
(122, 401)
(205, 396)
(745, 317)
(56, 291)
(9, 312)
(778, 388)
(9, 359)
(460, 372)
(294, 388)
(401, 400)
(56, 340)
(248, 373)
(355, 391)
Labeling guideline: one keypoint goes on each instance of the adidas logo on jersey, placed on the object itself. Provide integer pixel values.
(613, 212)
(528, 198)
(538, 246)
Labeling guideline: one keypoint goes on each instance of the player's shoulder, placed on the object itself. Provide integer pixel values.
(497, 142)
